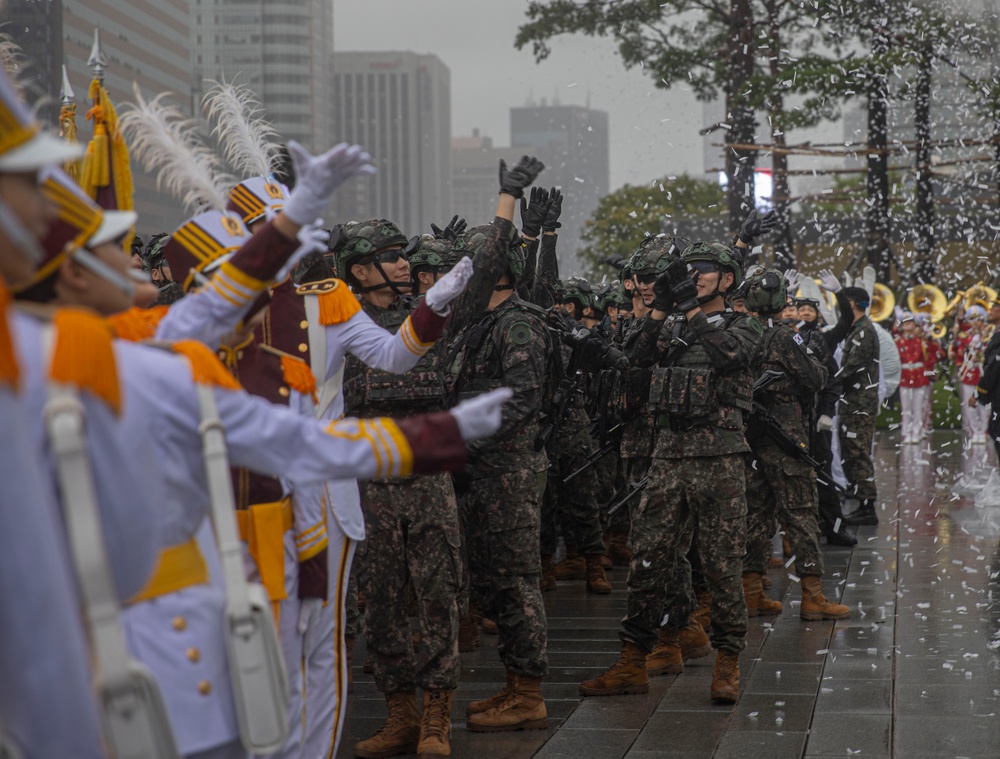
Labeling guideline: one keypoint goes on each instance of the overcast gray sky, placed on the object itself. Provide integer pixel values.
(653, 132)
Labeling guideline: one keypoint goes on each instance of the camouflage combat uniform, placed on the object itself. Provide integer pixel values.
(780, 486)
(858, 407)
(638, 433)
(412, 532)
(574, 504)
(510, 347)
(698, 395)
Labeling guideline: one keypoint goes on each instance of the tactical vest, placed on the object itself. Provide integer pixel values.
(374, 392)
(631, 392)
(689, 391)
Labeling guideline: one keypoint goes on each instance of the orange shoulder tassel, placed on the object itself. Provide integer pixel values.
(338, 305)
(138, 324)
(299, 376)
(9, 370)
(83, 355)
(206, 369)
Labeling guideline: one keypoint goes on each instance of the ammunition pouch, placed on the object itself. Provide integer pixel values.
(683, 391)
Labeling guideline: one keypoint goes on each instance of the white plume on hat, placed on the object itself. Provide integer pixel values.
(167, 143)
(248, 141)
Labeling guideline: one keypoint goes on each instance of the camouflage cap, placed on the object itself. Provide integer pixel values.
(358, 239)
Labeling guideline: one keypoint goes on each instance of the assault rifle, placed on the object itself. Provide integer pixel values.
(637, 488)
(614, 440)
(765, 423)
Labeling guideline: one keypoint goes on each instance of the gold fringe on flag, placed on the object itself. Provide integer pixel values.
(67, 130)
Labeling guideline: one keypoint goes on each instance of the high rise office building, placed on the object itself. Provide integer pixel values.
(144, 41)
(280, 49)
(573, 143)
(474, 164)
(398, 105)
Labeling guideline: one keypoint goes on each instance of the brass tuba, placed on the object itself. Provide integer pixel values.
(980, 294)
(927, 299)
(883, 303)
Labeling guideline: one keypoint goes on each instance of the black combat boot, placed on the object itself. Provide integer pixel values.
(865, 516)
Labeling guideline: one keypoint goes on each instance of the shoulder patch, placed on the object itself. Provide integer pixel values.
(519, 333)
(756, 326)
(318, 287)
(798, 338)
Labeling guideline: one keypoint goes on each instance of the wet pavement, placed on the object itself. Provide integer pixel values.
(912, 672)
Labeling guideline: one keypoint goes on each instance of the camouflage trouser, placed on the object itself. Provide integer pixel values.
(575, 505)
(857, 431)
(782, 489)
(689, 499)
(354, 623)
(500, 523)
(412, 537)
(606, 468)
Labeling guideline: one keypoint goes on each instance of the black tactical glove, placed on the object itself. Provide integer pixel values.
(560, 320)
(685, 292)
(663, 296)
(533, 211)
(554, 209)
(451, 232)
(756, 225)
(514, 181)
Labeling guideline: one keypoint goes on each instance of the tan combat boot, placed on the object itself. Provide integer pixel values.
(666, 657)
(478, 707)
(618, 550)
(435, 725)
(757, 601)
(597, 581)
(573, 567)
(815, 606)
(548, 580)
(627, 675)
(522, 709)
(704, 611)
(693, 641)
(400, 732)
(726, 678)
(468, 634)
(488, 625)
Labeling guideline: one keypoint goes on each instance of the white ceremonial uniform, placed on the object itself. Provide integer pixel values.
(47, 705)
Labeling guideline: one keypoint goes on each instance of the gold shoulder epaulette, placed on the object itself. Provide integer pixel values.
(83, 355)
(337, 303)
(206, 368)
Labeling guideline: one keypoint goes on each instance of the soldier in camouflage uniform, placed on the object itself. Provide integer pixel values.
(430, 257)
(780, 485)
(858, 407)
(575, 505)
(509, 346)
(700, 387)
(411, 525)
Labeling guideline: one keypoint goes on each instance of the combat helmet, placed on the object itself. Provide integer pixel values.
(712, 252)
(579, 291)
(361, 242)
(653, 255)
(766, 292)
(471, 240)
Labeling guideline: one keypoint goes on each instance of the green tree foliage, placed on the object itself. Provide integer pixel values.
(624, 217)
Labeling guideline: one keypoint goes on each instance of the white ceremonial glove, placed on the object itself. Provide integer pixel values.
(309, 613)
(867, 280)
(824, 424)
(317, 177)
(794, 280)
(312, 239)
(449, 287)
(829, 282)
(481, 416)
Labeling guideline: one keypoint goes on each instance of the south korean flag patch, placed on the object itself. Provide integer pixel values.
(798, 338)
